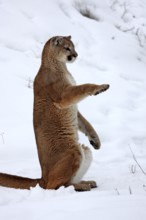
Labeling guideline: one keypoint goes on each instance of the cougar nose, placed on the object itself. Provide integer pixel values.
(75, 54)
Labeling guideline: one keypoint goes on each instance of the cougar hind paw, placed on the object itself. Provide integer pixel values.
(85, 186)
(91, 183)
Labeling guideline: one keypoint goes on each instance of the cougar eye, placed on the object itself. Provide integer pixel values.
(67, 48)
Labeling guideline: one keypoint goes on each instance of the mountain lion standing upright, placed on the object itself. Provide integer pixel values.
(63, 160)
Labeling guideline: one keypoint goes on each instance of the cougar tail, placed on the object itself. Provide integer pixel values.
(17, 182)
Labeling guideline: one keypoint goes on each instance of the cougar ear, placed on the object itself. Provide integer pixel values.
(69, 37)
(58, 41)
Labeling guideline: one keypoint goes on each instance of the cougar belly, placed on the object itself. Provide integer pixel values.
(86, 159)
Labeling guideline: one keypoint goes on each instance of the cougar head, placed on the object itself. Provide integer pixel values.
(63, 48)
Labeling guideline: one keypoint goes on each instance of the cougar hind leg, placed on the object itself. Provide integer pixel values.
(70, 169)
(65, 168)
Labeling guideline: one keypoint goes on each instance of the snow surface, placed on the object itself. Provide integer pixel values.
(112, 49)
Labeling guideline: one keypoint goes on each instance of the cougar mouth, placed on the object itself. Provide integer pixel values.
(71, 58)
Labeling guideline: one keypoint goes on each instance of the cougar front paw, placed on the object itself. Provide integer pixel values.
(102, 88)
(95, 142)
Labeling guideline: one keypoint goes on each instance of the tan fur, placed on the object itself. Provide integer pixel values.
(57, 120)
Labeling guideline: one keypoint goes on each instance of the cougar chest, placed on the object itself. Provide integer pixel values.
(70, 79)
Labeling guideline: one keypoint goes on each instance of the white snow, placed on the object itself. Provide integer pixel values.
(112, 49)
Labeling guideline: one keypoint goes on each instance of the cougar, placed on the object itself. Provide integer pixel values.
(56, 120)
